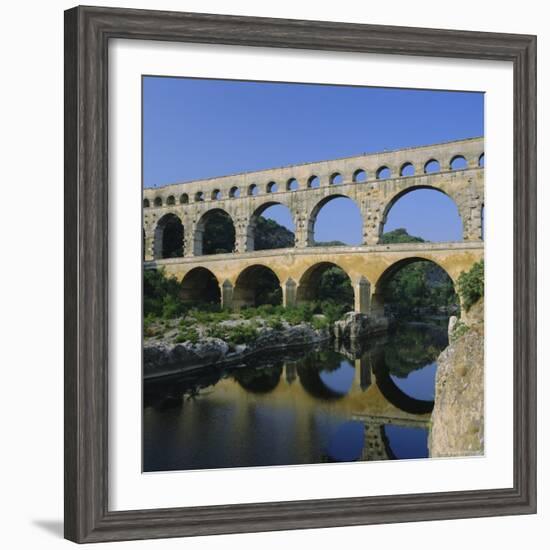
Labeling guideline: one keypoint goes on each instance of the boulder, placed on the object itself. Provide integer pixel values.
(358, 325)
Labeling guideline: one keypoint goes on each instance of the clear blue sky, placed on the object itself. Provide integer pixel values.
(197, 129)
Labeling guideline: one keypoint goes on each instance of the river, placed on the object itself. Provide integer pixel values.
(330, 404)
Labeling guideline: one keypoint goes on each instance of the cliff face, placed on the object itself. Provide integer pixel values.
(457, 418)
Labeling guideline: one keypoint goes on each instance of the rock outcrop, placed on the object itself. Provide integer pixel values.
(163, 358)
(457, 419)
(354, 326)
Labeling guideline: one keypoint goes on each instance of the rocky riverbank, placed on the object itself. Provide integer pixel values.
(354, 326)
(163, 357)
(167, 353)
(458, 419)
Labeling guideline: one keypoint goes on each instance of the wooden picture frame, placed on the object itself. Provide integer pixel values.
(87, 34)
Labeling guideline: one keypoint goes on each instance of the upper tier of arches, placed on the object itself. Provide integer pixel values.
(453, 156)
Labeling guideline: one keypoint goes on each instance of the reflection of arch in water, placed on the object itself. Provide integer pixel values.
(263, 380)
(420, 432)
(414, 348)
(310, 377)
(313, 384)
(395, 395)
(169, 391)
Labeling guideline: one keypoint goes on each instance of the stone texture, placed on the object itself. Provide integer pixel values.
(190, 201)
(458, 419)
(161, 358)
(365, 264)
(354, 326)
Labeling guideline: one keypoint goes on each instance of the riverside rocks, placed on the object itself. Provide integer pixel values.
(354, 326)
(161, 358)
(457, 419)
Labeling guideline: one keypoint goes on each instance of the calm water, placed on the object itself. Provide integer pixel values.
(323, 405)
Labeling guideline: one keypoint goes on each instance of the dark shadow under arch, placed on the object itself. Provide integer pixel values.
(169, 237)
(215, 233)
(255, 286)
(312, 286)
(200, 286)
(438, 290)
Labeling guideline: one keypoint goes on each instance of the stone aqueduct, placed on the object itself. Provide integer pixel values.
(373, 181)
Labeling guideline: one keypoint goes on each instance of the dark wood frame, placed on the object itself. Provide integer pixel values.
(87, 34)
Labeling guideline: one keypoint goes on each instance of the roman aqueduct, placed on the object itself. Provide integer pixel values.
(374, 181)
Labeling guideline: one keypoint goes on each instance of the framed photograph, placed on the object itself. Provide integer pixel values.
(297, 294)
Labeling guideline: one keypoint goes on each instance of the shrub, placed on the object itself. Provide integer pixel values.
(471, 285)
(459, 330)
(188, 334)
(242, 334)
(275, 323)
(172, 307)
(239, 334)
(320, 323)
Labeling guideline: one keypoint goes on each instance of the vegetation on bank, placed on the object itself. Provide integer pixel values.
(238, 328)
(471, 284)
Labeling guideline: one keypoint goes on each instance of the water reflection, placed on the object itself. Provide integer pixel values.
(372, 402)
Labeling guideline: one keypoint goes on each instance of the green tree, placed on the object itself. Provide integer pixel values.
(269, 234)
(399, 236)
(471, 284)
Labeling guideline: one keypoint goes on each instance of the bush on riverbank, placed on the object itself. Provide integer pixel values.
(471, 284)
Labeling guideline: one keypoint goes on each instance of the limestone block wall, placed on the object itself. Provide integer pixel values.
(305, 188)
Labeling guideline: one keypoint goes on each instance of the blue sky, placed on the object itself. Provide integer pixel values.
(195, 128)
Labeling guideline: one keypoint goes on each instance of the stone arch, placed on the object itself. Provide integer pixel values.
(216, 195)
(257, 285)
(253, 190)
(200, 285)
(234, 192)
(199, 196)
(215, 241)
(481, 160)
(379, 288)
(432, 166)
(458, 162)
(359, 176)
(171, 200)
(308, 285)
(184, 198)
(313, 181)
(312, 218)
(383, 173)
(399, 195)
(146, 203)
(271, 187)
(336, 178)
(251, 243)
(158, 201)
(292, 184)
(168, 240)
(407, 169)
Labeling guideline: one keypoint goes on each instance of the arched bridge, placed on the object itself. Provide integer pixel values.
(374, 181)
